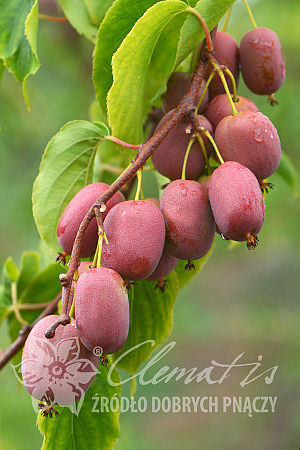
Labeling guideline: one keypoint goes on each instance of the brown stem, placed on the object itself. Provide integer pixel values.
(20, 341)
(98, 211)
(185, 109)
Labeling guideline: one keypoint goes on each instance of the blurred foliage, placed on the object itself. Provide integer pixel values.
(242, 302)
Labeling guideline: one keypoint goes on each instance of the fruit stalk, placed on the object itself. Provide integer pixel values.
(250, 13)
(219, 69)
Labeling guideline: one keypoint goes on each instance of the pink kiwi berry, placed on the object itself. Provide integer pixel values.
(220, 107)
(102, 310)
(190, 223)
(84, 266)
(57, 370)
(166, 265)
(167, 262)
(153, 200)
(237, 202)
(135, 230)
(262, 61)
(169, 156)
(74, 213)
(176, 88)
(251, 139)
(226, 52)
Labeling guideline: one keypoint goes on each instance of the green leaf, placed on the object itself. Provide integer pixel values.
(5, 304)
(288, 173)
(185, 276)
(66, 167)
(77, 13)
(132, 71)
(46, 257)
(96, 114)
(30, 267)
(192, 33)
(42, 289)
(117, 23)
(11, 270)
(161, 180)
(151, 319)
(97, 9)
(10, 275)
(18, 39)
(92, 430)
(109, 154)
(1, 69)
(13, 14)
(162, 61)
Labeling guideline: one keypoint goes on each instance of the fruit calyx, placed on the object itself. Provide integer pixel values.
(252, 241)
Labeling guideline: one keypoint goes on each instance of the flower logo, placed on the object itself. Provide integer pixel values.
(57, 373)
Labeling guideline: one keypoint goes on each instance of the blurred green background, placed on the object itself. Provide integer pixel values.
(241, 302)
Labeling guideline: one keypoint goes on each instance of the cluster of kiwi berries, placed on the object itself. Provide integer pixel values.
(145, 238)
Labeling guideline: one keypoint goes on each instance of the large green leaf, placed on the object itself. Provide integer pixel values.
(97, 9)
(151, 320)
(77, 13)
(128, 99)
(110, 157)
(90, 429)
(66, 167)
(192, 33)
(288, 173)
(13, 14)
(162, 62)
(18, 38)
(117, 23)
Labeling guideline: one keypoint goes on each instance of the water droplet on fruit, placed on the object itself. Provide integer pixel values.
(261, 44)
(224, 237)
(107, 252)
(258, 135)
(255, 42)
(184, 192)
